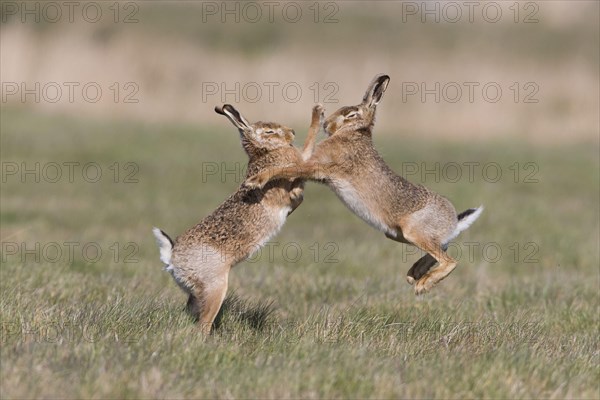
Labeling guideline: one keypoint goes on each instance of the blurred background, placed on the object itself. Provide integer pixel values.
(489, 69)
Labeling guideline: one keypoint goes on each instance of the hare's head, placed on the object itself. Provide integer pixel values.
(258, 137)
(361, 116)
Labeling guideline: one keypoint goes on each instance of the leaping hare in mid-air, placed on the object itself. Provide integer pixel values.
(201, 258)
(349, 164)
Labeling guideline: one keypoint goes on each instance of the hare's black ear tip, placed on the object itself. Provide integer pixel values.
(224, 108)
(384, 78)
(229, 108)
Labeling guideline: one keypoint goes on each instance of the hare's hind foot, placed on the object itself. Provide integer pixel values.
(431, 278)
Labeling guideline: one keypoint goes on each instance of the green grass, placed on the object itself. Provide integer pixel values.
(523, 325)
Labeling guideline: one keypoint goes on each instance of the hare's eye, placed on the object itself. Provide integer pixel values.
(353, 114)
(269, 132)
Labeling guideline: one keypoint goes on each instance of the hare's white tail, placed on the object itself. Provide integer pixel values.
(165, 245)
(465, 219)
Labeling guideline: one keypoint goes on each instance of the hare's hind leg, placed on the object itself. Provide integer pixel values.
(436, 251)
(205, 301)
(435, 275)
(422, 266)
(212, 299)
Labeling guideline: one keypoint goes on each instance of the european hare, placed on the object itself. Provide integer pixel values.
(201, 258)
(349, 164)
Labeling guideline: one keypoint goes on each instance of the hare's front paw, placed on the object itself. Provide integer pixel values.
(318, 113)
(296, 194)
(319, 109)
(255, 182)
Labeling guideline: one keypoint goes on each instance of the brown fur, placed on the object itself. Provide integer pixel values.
(203, 256)
(349, 164)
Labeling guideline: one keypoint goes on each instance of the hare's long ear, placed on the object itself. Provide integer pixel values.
(234, 116)
(376, 89)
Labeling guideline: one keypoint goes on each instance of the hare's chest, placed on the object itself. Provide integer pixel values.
(273, 222)
(360, 203)
(280, 216)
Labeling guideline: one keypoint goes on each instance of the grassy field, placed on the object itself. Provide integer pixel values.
(326, 311)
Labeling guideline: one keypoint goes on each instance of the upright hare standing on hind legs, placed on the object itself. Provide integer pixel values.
(201, 258)
(348, 163)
